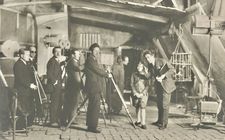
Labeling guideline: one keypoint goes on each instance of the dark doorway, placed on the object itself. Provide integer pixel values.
(134, 58)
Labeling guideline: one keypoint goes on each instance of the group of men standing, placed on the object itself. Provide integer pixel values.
(62, 109)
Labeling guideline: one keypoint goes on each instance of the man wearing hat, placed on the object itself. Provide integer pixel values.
(93, 87)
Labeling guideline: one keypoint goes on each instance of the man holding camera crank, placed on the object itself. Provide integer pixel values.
(93, 88)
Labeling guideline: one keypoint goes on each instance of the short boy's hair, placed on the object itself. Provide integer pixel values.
(124, 57)
(93, 46)
(73, 50)
(22, 51)
(150, 52)
(53, 51)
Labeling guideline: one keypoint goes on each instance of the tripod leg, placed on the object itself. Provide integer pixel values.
(14, 116)
(103, 111)
(110, 101)
(14, 127)
(75, 115)
(26, 116)
(42, 89)
(82, 97)
(124, 104)
(103, 114)
(38, 88)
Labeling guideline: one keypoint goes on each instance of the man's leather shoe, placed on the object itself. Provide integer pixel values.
(138, 124)
(95, 130)
(143, 127)
(162, 127)
(156, 123)
(54, 124)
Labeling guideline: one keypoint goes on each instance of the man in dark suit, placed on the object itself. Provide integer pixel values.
(93, 87)
(73, 85)
(164, 86)
(38, 107)
(24, 84)
(54, 86)
(33, 56)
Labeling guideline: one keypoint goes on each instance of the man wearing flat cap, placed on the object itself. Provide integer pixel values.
(93, 87)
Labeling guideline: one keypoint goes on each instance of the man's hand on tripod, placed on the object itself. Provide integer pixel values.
(35, 72)
(33, 86)
(110, 75)
(138, 95)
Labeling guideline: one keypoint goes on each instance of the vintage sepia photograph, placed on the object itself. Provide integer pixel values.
(112, 69)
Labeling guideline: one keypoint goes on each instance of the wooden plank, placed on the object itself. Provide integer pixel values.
(51, 18)
(109, 21)
(196, 7)
(9, 9)
(107, 9)
(217, 25)
(121, 18)
(198, 31)
(31, 3)
(159, 46)
(156, 2)
(0, 24)
(175, 4)
(217, 7)
(183, 44)
(202, 21)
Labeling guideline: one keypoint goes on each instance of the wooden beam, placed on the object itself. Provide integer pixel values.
(107, 9)
(183, 44)
(31, 3)
(88, 11)
(109, 22)
(195, 7)
(159, 46)
(9, 9)
(153, 5)
(9, 6)
(50, 17)
(175, 4)
(156, 2)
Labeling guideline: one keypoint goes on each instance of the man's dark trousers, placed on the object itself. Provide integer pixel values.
(163, 103)
(93, 110)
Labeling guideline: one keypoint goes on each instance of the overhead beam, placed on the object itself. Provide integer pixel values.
(31, 3)
(49, 18)
(88, 11)
(9, 9)
(109, 22)
(145, 7)
(107, 9)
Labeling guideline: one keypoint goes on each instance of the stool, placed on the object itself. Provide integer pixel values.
(196, 99)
